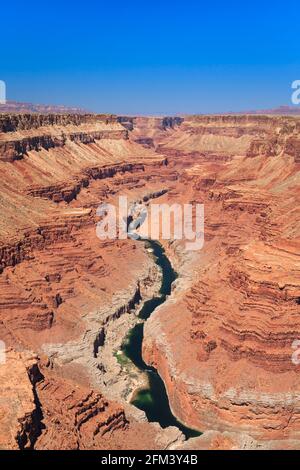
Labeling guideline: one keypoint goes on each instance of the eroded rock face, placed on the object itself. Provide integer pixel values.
(215, 440)
(223, 340)
(223, 344)
(24, 133)
(74, 416)
(62, 289)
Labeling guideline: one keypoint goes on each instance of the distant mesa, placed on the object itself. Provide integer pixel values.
(281, 110)
(19, 107)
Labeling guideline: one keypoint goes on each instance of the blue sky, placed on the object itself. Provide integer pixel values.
(151, 57)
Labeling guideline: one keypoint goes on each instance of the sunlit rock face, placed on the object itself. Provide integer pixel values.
(222, 342)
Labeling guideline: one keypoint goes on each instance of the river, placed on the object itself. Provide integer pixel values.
(154, 400)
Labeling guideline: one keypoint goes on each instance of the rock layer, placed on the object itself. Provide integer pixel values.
(223, 340)
(61, 285)
(223, 344)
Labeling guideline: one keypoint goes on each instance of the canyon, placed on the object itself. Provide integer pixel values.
(222, 340)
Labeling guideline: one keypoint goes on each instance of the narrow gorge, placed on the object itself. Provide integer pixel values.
(213, 344)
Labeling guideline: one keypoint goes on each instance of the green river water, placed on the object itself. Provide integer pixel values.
(154, 400)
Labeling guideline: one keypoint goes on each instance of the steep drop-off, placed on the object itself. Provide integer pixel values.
(60, 286)
(222, 342)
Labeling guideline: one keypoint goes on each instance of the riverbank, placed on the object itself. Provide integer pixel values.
(153, 398)
(113, 358)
